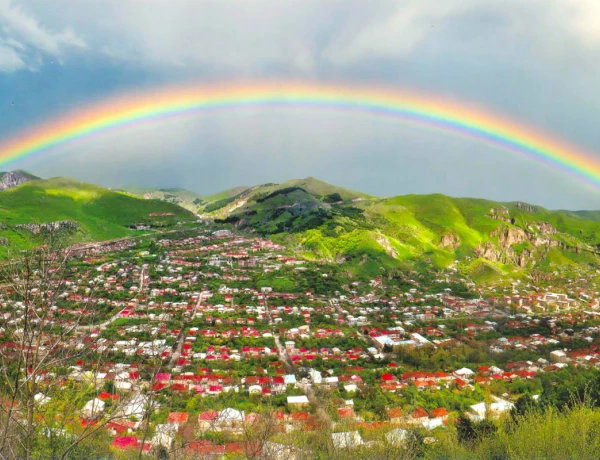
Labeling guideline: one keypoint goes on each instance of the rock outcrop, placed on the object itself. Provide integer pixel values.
(543, 228)
(488, 251)
(49, 226)
(500, 213)
(526, 207)
(507, 236)
(384, 242)
(12, 179)
(493, 253)
(537, 235)
(450, 240)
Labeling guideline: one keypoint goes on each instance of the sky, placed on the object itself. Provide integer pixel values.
(529, 60)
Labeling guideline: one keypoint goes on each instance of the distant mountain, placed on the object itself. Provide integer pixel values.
(312, 188)
(225, 194)
(87, 212)
(483, 239)
(181, 197)
(11, 179)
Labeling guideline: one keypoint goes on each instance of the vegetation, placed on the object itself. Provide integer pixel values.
(97, 213)
(490, 240)
(181, 197)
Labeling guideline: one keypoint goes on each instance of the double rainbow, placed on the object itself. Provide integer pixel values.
(132, 109)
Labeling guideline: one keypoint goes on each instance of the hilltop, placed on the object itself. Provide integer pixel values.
(311, 187)
(10, 179)
(484, 239)
(179, 196)
(87, 212)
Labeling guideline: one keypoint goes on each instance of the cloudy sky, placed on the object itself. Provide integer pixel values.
(530, 60)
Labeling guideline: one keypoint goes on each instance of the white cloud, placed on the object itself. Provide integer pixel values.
(393, 32)
(10, 60)
(256, 37)
(24, 38)
(586, 20)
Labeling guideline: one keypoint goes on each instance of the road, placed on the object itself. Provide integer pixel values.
(105, 324)
(308, 389)
(101, 326)
(181, 337)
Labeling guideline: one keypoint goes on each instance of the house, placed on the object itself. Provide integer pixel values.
(346, 440)
(396, 437)
(137, 406)
(277, 451)
(230, 418)
(500, 406)
(207, 420)
(165, 435)
(178, 418)
(129, 442)
(93, 408)
(559, 356)
(464, 373)
(419, 415)
(440, 413)
(395, 415)
(297, 400)
(346, 413)
(431, 423)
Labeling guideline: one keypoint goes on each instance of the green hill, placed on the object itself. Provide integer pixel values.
(485, 239)
(20, 172)
(225, 194)
(322, 191)
(97, 213)
(181, 197)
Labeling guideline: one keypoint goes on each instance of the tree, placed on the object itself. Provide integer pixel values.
(42, 396)
(465, 430)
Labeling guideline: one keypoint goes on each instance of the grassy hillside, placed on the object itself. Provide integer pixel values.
(100, 213)
(181, 197)
(225, 194)
(319, 190)
(487, 239)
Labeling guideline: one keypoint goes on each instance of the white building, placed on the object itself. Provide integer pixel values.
(93, 408)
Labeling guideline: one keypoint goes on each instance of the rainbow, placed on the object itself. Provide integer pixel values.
(459, 118)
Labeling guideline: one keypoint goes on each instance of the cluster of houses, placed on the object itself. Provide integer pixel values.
(191, 322)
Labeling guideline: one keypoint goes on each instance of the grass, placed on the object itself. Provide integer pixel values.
(181, 197)
(229, 193)
(393, 231)
(101, 213)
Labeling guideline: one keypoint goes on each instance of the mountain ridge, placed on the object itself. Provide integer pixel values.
(484, 237)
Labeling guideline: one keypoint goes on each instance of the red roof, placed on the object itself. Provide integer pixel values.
(177, 417)
(439, 412)
(128, 442)
(394, 413)
(420, 413)
(205, 448)
(346, 413)
(297, 416)
(208, 416)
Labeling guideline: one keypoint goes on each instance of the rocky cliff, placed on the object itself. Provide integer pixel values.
(49, 226)
(13, 178)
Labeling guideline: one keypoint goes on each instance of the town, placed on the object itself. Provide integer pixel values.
(213, 342)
